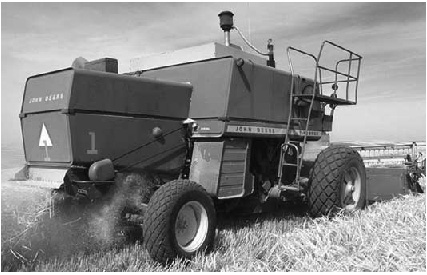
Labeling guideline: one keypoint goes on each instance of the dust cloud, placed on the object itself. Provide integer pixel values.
(83, 231)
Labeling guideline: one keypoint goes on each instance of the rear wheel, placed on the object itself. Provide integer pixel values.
(338, 181)
(179, 222)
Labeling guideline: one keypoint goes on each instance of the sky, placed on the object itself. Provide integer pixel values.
(391, 37)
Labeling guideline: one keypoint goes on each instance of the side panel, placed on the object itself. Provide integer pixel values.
(211, 85)
(259, 93)
(222, 168)
(224, 91)
(97, 136)
(206, 164)
(121, 94)
(385, 183)
(235, 179)
(46, 138)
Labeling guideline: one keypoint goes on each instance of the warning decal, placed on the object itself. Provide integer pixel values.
(45, 138)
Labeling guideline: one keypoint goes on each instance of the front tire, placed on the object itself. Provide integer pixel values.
(338, 181)
(179, 222)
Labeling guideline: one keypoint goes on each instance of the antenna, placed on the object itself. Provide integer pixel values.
(249, 21)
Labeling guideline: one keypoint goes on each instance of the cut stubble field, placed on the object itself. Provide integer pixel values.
(387, 236)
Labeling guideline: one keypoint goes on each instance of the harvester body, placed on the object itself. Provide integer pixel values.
(218, 128)
(74, 117)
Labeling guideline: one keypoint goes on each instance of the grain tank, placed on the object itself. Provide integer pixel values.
(74, 117)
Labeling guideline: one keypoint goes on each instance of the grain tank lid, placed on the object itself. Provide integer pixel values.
(130, 77)
(109, 65)
(192, 54)
(50, 72)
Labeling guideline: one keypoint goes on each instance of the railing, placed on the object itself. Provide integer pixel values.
(352, 58)
(347, 76)
(332, 100)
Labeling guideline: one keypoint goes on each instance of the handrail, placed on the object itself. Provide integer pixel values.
(337, 81)
(336, 72)
(351, 53)
(349, 60)
(299, 159)
(301, 51)
(288, 51)
(340, 47)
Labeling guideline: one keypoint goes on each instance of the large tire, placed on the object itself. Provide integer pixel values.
(338, 181)
(179, 222)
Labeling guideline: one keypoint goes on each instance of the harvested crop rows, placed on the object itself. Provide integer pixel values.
(388, 236)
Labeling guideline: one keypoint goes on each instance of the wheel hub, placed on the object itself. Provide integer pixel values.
(191, 226)
(352, 185)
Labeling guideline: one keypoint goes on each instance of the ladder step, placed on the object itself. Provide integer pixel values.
(298, 118)
(290, 164)
(307, 96)
(298, 157)
(292, 188)
(304, 181)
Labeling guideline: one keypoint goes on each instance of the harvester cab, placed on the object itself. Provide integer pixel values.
(194, 132)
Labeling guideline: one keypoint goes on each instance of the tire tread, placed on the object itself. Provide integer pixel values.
(156, 226)
(325, 180)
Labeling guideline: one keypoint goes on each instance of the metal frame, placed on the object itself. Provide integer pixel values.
(333, 100)
(290, 118)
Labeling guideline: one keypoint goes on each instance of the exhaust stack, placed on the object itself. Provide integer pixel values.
(226, 23)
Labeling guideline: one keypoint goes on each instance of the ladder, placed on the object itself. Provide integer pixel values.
(318, 96)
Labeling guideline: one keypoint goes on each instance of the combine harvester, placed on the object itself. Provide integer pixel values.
(211, 128)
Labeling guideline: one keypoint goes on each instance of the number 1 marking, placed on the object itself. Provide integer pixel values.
(92, 150)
